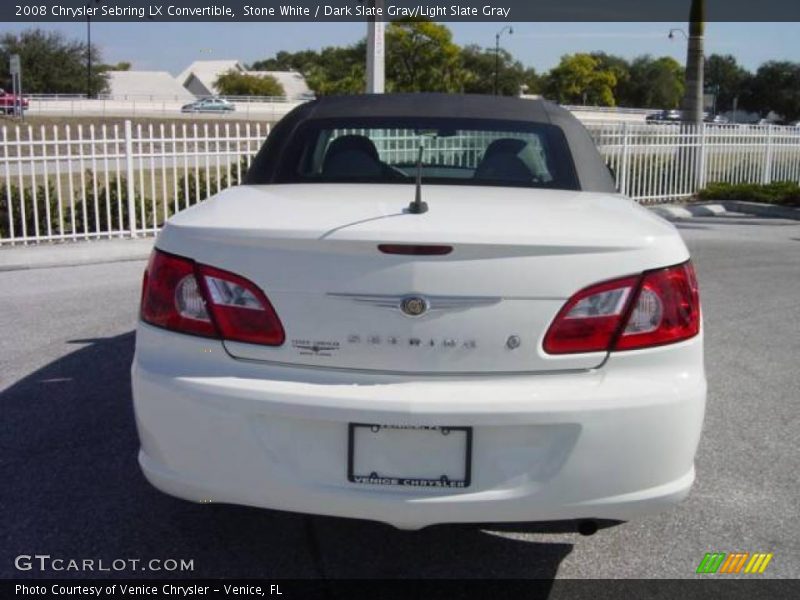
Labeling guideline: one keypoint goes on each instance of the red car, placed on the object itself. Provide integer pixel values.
(9, 100)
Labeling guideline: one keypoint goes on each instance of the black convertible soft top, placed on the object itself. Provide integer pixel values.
(593, 175)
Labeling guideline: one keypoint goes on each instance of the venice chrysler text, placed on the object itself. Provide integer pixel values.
(134, 591)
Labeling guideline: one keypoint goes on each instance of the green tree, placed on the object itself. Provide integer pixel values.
(532, 82)
(422, 57)
(51, 64)
(236, 83)
(120, 66)
(332, 70)
(775, 87)
(653, 83)
(340, 70)
(578, 79)
(288, 61)
(621, 70)
(723, 74)
(479, 64)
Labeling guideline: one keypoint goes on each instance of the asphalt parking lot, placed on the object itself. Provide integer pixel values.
(72, 488)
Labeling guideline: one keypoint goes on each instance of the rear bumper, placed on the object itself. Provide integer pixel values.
(613, 443)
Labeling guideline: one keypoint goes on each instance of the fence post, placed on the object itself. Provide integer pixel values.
(130, 175)
(623, 167)
(701, 169)
(766, 176)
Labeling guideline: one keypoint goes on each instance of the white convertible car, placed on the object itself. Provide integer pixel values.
(422, 309)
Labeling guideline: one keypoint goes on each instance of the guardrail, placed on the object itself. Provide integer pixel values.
(77, 182)
(163, 98)
(610, 109)
(255, 107)
(144, 106)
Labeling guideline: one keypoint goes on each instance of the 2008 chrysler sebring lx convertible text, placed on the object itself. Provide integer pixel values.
(422, 309)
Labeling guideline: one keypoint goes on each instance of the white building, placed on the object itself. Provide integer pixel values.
(142, 84)
(199, 77)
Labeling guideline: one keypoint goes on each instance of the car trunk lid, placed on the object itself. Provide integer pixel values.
(517, 256)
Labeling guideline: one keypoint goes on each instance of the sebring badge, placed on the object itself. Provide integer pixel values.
(414, 306)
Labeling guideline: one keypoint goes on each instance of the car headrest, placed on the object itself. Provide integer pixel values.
(504, 146)
(351, 156)
(501, 162)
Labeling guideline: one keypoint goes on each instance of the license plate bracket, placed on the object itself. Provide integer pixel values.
(387, 455)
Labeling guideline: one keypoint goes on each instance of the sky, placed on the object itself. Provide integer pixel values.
(173, 46)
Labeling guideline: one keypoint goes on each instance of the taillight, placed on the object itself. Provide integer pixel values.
(183, 296)
(240, 309)
(659, 307)
(171, 298)
(590, 319)
(667, 309)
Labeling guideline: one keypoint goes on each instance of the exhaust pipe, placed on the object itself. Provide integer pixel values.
(587, 527)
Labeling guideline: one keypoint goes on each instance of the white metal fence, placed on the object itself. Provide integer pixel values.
(72, 182)
(85, 182)
(663, 163)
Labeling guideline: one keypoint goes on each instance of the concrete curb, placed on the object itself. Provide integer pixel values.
(707, 210)
(71, 254)
(721, 208)
(762, 210)
(671, 212)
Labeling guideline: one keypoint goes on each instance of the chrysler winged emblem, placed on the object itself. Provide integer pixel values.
(414, 306)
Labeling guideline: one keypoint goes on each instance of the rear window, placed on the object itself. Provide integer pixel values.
(453, 152)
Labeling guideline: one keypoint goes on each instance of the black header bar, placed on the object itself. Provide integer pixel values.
(708, 588)
(359, 10)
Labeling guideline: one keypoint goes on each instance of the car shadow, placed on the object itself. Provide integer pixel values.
(73, 490)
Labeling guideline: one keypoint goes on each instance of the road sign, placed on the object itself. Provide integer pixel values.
(16, 85)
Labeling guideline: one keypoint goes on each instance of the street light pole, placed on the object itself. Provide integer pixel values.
(693, 100)
(695, 57)
(88, 57)
(89, 51)
(497, 56)
(672, 33)
(692, 105)
(375, 51)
